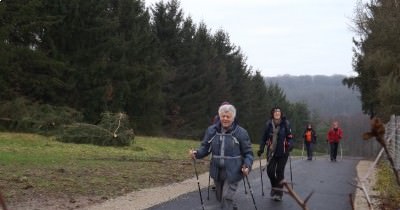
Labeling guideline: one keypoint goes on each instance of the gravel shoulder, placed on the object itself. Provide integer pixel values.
(360, 198)
(147, 198)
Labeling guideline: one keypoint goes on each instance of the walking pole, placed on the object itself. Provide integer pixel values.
(208, 189)
(244, 185)
(251, 193)
(262, 183)
(198, 183)
(209, 182)
(313, 153)
(290, 164)
(209, 177)
(329, 150)
(266, 161)
(341, 152)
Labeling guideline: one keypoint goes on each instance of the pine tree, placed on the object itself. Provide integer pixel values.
(27, 68)
(376, 57)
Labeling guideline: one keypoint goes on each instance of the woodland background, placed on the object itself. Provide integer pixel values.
(63, 62)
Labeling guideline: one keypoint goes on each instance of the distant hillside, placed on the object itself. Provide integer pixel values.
(323, 94)
(331, 100)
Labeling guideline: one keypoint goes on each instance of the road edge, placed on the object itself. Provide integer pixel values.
(360, 199)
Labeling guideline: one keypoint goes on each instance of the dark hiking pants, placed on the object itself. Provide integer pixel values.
(309, 147)
(276, 172)
(334, 148)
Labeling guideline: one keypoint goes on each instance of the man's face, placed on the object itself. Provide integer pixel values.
(277, 114)
(335, 125)
(226, 119)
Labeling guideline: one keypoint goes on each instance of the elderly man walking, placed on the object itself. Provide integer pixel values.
(232, 155)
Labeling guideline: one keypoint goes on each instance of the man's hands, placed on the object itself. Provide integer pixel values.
(245, 170)
(192, 154)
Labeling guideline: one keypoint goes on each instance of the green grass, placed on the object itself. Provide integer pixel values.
(387, 186)
(38, 150)
(36, 165)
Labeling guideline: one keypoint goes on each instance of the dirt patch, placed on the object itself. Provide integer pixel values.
(40, 202)
(79, 187)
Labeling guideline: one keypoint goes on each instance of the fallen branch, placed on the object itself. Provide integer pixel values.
(351, 201)
(364, 189)
(294, 195)
(119, 124)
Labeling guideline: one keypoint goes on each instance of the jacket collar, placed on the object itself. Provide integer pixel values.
(229, 130)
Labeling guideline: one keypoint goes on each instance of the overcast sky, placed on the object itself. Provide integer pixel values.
(296, 37)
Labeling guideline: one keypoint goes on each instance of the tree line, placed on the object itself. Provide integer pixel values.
(167, 73)
(325, 96)
(377, 57)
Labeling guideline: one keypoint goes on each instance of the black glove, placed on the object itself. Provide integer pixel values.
(259, 153)
(290, 147)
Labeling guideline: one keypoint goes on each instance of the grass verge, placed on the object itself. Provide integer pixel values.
(34, 166)
(387, 186)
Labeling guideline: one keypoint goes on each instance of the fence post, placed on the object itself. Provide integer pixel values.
(390, 135)
(397, 143)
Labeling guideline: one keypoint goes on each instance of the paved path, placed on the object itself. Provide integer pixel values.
(329, 181)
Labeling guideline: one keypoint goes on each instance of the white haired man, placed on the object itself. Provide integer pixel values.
(232, 155)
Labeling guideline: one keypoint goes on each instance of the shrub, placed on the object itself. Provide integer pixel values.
(112, 130)
(26, 116)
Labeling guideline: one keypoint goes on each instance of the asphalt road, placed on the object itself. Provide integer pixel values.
(328, 180)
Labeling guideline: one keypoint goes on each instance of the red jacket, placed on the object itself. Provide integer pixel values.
(335, 136)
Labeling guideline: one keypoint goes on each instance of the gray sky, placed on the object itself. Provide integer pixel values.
(296, 37)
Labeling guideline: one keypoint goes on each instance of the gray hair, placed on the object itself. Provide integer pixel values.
(227, 108)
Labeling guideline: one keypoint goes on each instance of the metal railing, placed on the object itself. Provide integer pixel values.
(392, 136)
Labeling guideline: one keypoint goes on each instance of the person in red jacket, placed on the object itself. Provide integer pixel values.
(335, 134)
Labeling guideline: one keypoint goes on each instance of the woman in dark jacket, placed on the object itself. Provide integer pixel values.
(232, 155)
(277, 137)
(310, 138)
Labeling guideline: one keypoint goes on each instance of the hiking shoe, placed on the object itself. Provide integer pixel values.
(277, 198)
(272, 193)
(273, 197)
